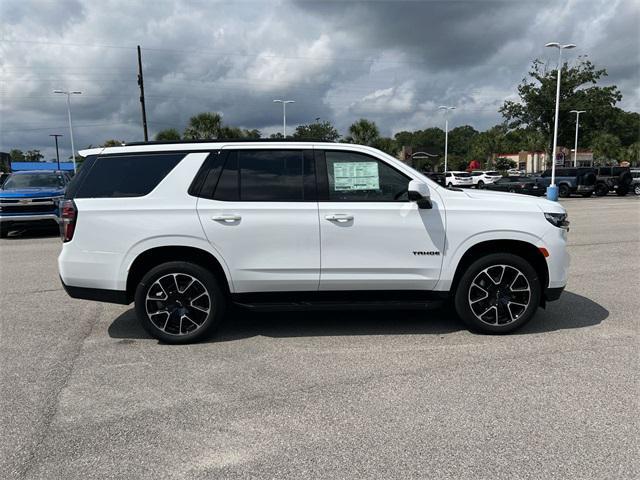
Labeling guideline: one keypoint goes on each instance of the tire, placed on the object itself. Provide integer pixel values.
(4, 232)
(564, 191)
(601, 190)
(511, 190)
(480, 184)
(625, 178)
(621, 191)
(499, 313)
(188, 293)
(636, 189)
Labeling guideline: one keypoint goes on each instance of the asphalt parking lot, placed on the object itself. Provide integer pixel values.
(87, 394)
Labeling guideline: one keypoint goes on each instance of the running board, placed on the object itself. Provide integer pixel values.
(342, 305)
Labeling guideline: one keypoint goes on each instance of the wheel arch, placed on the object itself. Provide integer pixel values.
(522, 248)
(152, 257)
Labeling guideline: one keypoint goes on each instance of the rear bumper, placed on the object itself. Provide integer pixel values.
(97, 294)
(31, 217)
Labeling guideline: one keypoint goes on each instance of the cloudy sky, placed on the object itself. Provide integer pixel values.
(390, 61)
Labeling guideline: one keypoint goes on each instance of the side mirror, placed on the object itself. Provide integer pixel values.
(419, 193)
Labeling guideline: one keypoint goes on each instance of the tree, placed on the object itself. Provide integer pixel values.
(363, 132)
(204, 126)
(489, 143)
(460, 139)
(431, 139)
(253, 133)
(276, 136)
(632, 153)
(33, 156)
(578, 90)
(112, 143)
(387, 145)
(16, 155)
(606, 147)
(168, 135)
(504, 164)
(323, 131)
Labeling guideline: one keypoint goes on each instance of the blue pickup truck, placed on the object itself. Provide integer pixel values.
(30, 199)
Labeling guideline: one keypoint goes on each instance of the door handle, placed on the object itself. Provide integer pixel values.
(339, 217)
(227, 218)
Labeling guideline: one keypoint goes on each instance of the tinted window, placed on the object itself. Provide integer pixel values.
(271, 175)
(266, 176)
(125, 175)
(492, 174)
(228, 188)
(354, 177)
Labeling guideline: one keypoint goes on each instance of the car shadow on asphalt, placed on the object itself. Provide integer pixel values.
(570, 311)
(43, 232)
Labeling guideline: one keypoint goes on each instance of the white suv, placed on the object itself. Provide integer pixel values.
(481, 178)
(185, 229)
(458, 179)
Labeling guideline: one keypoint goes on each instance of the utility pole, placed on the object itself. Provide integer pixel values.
(141, 84)
(284, 115)
(575, 148)
(446, 110)
(56, 135)
(73, 147)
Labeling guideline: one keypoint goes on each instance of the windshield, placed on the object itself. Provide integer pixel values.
(34, 180)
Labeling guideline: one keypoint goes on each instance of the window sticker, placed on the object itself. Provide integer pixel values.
(356, 176)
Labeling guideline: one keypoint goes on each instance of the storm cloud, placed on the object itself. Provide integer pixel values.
(392, 62)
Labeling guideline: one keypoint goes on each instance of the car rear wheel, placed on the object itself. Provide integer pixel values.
(621, 191)
(480, 184)
(498, 294)
(179, 302)
(636, 189)
(564, 191)
(601, 190)
(4, 232)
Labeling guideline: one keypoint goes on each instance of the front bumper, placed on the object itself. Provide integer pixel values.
(29, 217)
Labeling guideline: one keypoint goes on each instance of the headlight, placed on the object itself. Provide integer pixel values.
(558, 220)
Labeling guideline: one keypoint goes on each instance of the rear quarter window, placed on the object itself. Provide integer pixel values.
(115, 176)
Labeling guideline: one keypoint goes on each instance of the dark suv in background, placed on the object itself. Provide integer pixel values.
(579, 181)
(613, 179)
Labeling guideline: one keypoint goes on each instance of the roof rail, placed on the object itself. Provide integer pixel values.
(228, 140)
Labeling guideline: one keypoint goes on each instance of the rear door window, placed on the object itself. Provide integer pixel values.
(267, 176)
(116, 176)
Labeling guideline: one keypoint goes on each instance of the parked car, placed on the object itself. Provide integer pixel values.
(613, 179)
(514, 172)
(437, 177)
(186, 229)
(29, 199)
(481, 178)
(458, 179)
(580, 181)
(635, 182)
(526, 185)
(3, 178)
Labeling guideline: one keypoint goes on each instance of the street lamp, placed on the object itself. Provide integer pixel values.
(284, 114)
(575, 148)
(446, 110)
(56, 135)
(73, 148)
(552, 190)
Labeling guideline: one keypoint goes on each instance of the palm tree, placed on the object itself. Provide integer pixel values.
(168, 135)
(363, 132)
(204, 126)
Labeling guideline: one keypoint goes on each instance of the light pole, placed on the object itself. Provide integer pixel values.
(552, 190)
(284, 114)
(73, 148)
(56, 135)
(446, 131)
(575, 148)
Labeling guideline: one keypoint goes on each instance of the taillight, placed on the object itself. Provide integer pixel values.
(68, 217)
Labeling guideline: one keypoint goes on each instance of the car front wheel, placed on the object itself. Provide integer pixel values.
(636, 189)
(179, 302)
(498, 294)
